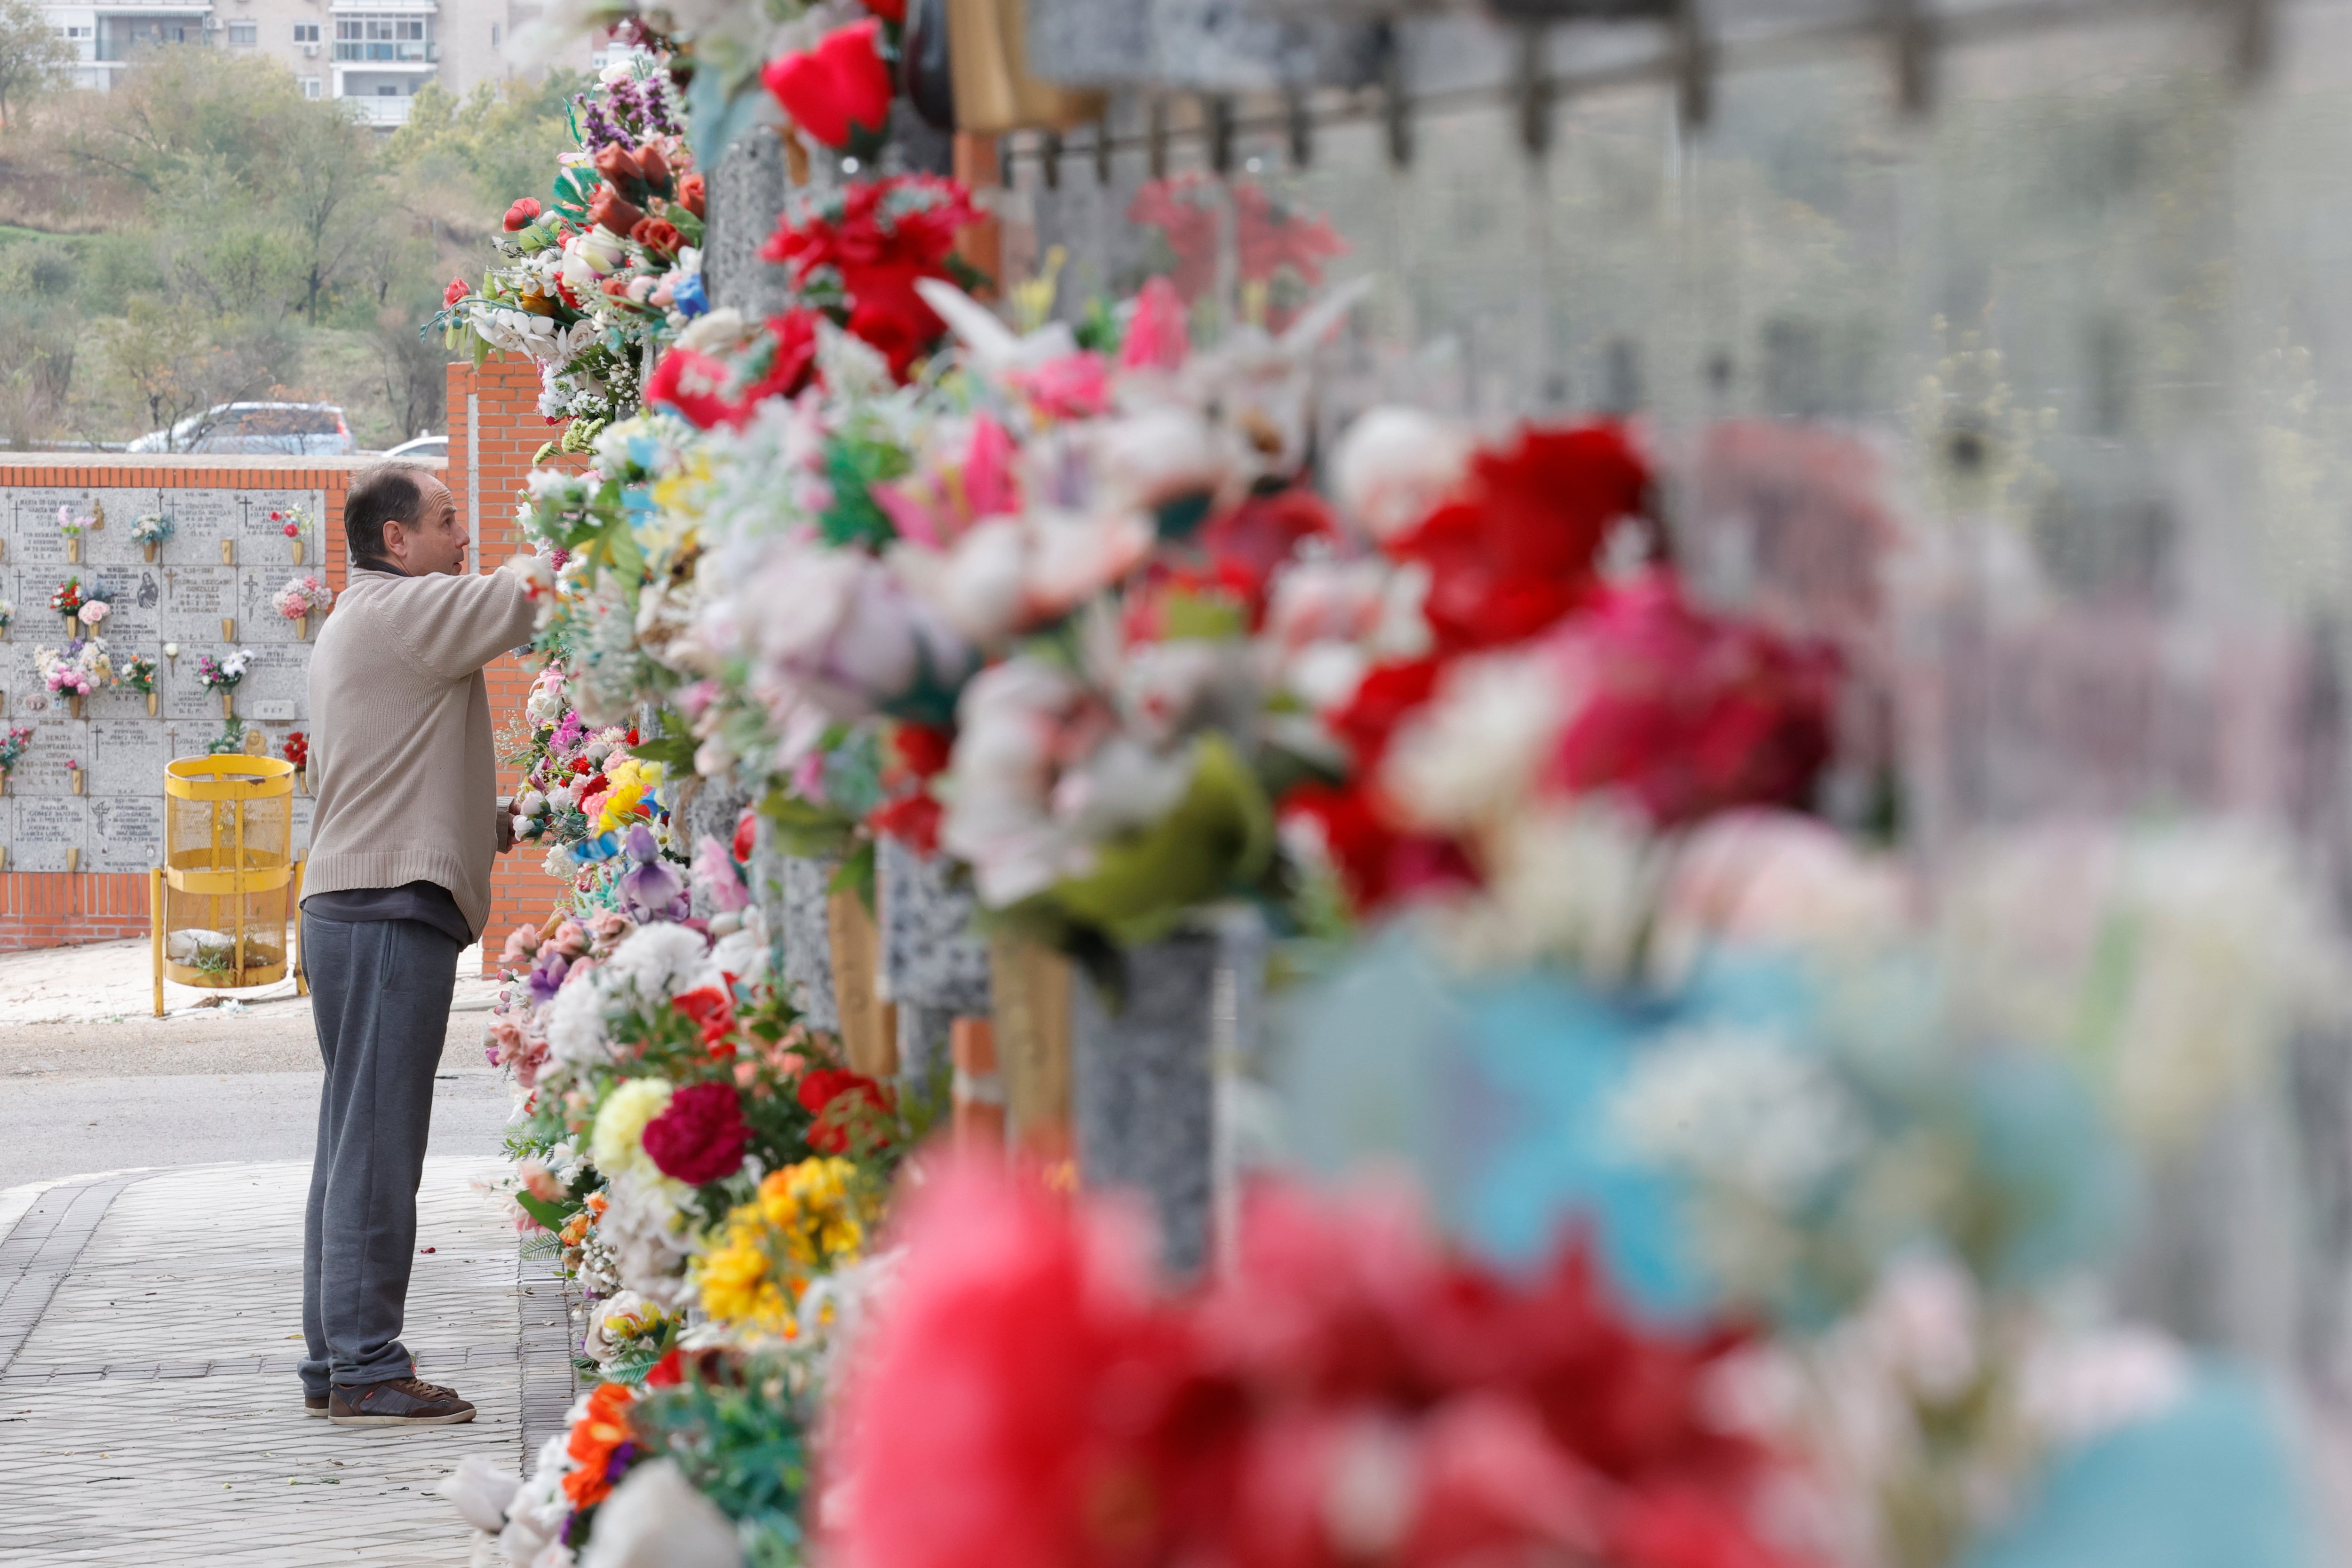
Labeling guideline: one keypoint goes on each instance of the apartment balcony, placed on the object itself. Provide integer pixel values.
(378, 54)
(391, 110)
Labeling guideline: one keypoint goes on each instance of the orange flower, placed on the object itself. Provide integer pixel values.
(597, 1439)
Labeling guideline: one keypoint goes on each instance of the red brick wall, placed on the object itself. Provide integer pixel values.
(52, 909)
(495, 425)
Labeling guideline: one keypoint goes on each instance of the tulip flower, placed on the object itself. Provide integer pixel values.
(611, 211)
(838, 90)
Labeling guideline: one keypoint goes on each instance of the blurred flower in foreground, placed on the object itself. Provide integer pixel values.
(1351, 1393)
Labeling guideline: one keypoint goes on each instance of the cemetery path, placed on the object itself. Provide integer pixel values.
(149, 1333)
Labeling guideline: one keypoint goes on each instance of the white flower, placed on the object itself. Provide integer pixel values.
(1576, 883)
(743, 952)
(1781, 880)
(2072, 1389)
(538, 1510)
(655, 1519)
(1478, 748)
(609, 1324)
(646, 1231)
(575, 1019)
(530, 803)
(1158, 455)
(481, 1492)
(1920, 1325)
(1005, 575)
(1394, 466)
(658, 961)
(1741, 1109)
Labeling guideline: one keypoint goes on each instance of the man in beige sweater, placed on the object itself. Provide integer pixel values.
(398, 882)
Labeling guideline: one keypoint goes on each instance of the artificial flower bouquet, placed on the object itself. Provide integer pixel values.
(609, 267)
(300, 598)
(151, 531)
(13, 742)
(7, 616)
(73, 526)
(222, 674)
(66, 601)
(137, 671)
(75, 671)
(293, 522)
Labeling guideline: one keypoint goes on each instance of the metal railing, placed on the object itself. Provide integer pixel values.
(388, 51)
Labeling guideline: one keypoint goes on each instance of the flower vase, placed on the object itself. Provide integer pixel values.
(301, 629)
(933, 965)
(297, 545)
(229, 701)
(4, 783)
(148, 550)
(870, 1026)
(77, 781)
(73, 858)
(73, 628)
(73, 705)
(228, 552)
(1142, 1087)
(152, 698)
(73, 552)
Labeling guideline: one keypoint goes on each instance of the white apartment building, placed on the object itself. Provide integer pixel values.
(375, 53)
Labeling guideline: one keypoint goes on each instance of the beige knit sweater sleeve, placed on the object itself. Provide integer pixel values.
(404, 763)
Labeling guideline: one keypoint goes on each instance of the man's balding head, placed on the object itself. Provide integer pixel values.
(399, 518)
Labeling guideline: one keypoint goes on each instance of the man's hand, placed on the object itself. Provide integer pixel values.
(506, 825)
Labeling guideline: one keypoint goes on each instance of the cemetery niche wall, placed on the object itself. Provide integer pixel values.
(189, 561)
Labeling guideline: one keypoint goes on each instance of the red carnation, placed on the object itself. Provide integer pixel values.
(520, 215)
(658, 235)
(1517, 551)
(701, 1137)
(609, 209)
(838, 88)
(747, 834)
(922, 749)
(696, 385)
(1250, 543)
(455, 292)
(821, 1089)
(712, 1011)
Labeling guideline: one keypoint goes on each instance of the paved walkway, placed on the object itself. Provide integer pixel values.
(149, 1407)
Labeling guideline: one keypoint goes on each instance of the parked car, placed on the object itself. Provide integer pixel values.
(279, 429)
(422, 446)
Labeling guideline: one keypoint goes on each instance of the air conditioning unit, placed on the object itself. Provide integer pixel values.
(309, 51)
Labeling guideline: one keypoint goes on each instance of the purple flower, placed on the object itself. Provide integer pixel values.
(547, 976)
(651, 889)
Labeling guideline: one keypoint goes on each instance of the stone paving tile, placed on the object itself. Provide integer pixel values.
(152, 1415)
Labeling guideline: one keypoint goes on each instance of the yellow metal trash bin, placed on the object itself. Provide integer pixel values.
(224, 902)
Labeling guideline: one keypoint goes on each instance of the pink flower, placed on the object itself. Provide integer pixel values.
(93, 611)
(716, 878)
(1157, 335)
(1073, 386)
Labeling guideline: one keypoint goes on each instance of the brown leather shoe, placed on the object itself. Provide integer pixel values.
(315, 1405)
(403, 1402)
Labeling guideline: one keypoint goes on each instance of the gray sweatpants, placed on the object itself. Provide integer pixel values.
(379, 993)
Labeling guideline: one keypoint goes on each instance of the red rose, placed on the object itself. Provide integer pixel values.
(747, 834)
(888, 10)
(1375, 862)
(821, 1088)
(712, 1011)
(1515, 552)
(520, 214)
(701, 1137)
(610, 210)
(455, 292)
(838, 88)
(658, 235)
(923, 750)
(617, 288)
(689, 193)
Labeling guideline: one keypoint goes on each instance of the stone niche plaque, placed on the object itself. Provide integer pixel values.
(33, 537)
(44, 829)
(125, 832)
(127, 757)
(196, 598)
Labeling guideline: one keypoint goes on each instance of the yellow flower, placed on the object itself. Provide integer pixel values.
(632, 782)
(805, 1220)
